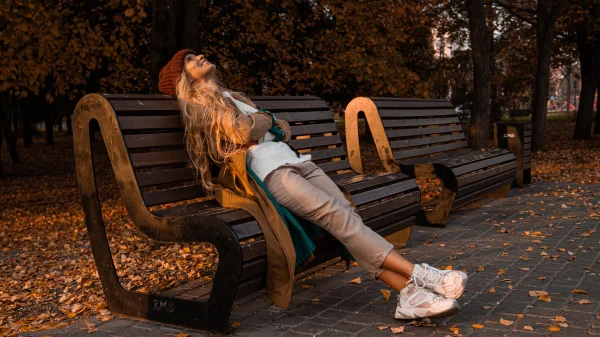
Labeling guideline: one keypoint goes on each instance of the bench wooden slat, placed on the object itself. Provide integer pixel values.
(145, 105)
(254, 250)
(327, 153)
(147, 159)
(174, 194)
(129, 123)
(455, 159)
(139, 141)
(310, 129)
(375, 181)
(396, 113)
(254, 267)
(487, 184)
(288, 105)
(394, 133)
(398, 144)
(399, 155)
(383, 104)
(305, 116)
(382, 192)
(333, 166)
(508, 157)
(386, 219)
(247, 230)
(307, 143)
(396, 123)
(207, 206)
(490, 172)
(403, 200)
(113, 97)
(158, 177)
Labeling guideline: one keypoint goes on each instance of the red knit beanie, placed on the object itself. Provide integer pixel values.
(169, 74)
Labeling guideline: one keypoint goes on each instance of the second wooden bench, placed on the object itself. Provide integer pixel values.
(424, 139)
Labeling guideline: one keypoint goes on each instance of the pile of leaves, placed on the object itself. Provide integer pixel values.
(48, 274)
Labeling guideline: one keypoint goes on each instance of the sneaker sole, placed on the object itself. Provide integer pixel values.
(450, 312)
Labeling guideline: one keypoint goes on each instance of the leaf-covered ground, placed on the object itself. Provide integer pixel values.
(47, 273)
(48, 276)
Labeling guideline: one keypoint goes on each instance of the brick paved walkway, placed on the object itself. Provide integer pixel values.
(491, 242)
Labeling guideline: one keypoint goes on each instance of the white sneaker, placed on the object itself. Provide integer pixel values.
(416, 302)
(448, 283)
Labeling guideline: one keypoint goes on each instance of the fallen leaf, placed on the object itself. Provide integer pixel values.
(545, 298)
(480, 268)
(543, 254)
(356, 280)
(560, 319)
(454, 329)
(579, 291)
(492, 290)
(487, 307)
(528, 328)
(236, 325)
(386, 294)
(519, 316)
(501, 271)
(383, 327)
(537, 293)
(525, 269)
(541, 278)
(584, 301)
(554, 328)
(307, 286)
(529, 249)
(505, 322)
(397, 330)
(477, 326)
(447, 268)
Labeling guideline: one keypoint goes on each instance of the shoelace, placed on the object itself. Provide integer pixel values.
(429, 274)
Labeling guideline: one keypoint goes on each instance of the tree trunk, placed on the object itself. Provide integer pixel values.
(547, 13)
(11, 139)
(481, 52)
(49, 124)
(589, 57)
(189, 31)
(164, 37)
(597, 126)
(26, 107)
(569, 91)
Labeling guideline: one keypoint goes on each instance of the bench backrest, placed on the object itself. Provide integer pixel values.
(154, 136)
(419, 127)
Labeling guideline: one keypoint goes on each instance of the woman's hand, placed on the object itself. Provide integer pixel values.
(285, 127)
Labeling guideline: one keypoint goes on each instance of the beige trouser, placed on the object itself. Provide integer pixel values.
(308, 192)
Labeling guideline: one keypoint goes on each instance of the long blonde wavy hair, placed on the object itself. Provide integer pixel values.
(209, 119)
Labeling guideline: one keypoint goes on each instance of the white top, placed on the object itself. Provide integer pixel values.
(267, 155)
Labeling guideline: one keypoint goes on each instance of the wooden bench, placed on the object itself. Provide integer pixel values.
(424, 139)
(516, 137)
(144, 138)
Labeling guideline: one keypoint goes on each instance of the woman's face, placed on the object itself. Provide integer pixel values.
(199, 69)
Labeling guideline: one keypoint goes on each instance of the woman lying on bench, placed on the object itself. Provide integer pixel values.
(220, 123)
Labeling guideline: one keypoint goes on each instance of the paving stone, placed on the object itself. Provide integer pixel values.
(309, 328)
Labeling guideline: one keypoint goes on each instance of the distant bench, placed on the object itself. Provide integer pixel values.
(424, 138)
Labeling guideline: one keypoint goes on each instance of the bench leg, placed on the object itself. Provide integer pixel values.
(400, 238)
(439, 215)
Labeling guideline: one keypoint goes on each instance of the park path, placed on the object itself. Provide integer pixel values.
(541, 238)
